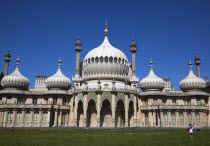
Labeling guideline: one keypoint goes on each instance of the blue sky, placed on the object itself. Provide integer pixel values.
(168, 31)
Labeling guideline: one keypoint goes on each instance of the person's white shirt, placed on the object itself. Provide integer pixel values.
(191, 129)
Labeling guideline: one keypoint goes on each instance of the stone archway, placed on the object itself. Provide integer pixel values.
(131, 114)
(80, 115)
(91, 114)
(106, 114)
(120, 114)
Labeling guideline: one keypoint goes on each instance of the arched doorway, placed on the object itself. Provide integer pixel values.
(91, 114)
(106, 116)
(80, 114)
(131, 114)
(120, 114)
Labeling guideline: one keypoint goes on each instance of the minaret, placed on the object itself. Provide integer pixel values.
(197, 63)
(133, 51)
(78, 45)
(7, 60)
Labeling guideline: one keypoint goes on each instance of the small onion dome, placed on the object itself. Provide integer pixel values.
(152, 82)
(58, 80)
(15, 80)
(192, 82)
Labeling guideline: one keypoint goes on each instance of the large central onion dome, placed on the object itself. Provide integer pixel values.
(15, 80)
(152, 82)
(106, 62)
(58, 80)
(192, 82)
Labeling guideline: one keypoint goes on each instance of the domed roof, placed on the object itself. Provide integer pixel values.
(15, 80)
(105, 61)
(152, 82)
(58, 80)
(192, 82)
(105, 49)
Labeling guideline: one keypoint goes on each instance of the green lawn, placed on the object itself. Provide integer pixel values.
(101, 137)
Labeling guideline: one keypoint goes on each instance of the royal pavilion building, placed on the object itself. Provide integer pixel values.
(104, 92)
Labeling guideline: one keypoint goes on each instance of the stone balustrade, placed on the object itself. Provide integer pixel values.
(174, 107)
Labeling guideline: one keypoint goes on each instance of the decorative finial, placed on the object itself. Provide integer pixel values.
(106, 28)
(18, 61)
(190, 64)
(78, 43)
(59, 62)
(151, 64)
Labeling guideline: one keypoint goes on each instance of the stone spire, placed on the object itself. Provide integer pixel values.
(7, 60)
(106, 28)
(78, 48)
(133, 51)
(197, 63)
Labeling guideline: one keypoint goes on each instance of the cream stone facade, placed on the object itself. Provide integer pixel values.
(104, 92)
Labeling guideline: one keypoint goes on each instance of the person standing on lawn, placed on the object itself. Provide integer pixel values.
(190, 129)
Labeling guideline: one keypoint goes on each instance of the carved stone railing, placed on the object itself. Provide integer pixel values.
(105, 89)
(174, 93)
(34, 106)
(174, 107)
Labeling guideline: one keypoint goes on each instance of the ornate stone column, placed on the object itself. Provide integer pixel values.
(193, 116)
(14, 118)
(135, 111)
(113, 109)
(161, 118)
(169, 118)
(48, 118)
(66, 119)
(40, 117)
(23, 117)
(55, 119)
(85, 106)
(60, 119)
(31, 118)
(98, 108)
(177, 118)
(150, 118)
(154, 118)
(5, 118)
(75, 111)
(185, 118)
(126, 110)
(7, 60)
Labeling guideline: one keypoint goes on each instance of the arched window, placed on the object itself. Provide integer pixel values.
(88, 60)
(181, 119)
(111, 59)
(18, 118)
(189, 116)
(92, 60)
(123, 61)
(64, 100)
(146, 119)
(197, 119)
(55, 100)
(44, 118)
(36, 118)
(173, 119)
(115, 59)
(165, 119)
(106, 59)
(10, 118)
(35, 100)
(101, 59)
(97, 59)
(119, 60)
(27, 119)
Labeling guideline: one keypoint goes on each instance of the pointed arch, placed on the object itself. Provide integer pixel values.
(131, 114)
(120, 114)
(106, 114)
(91, 114)
(80, 114)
